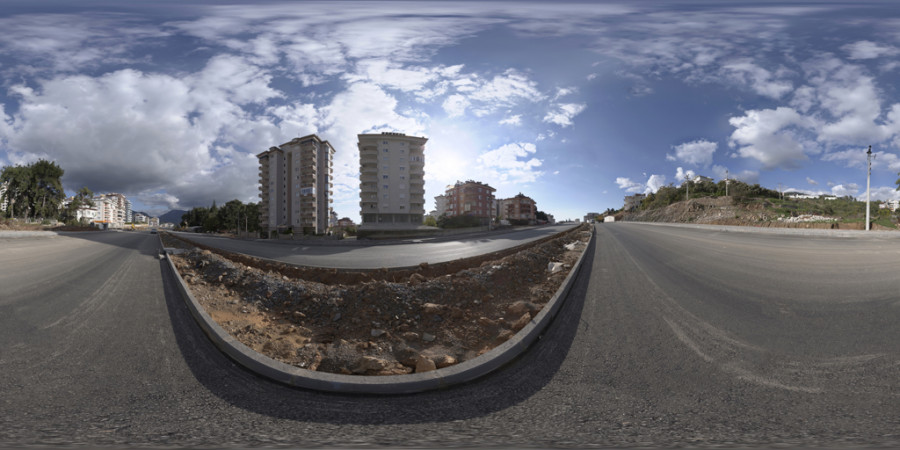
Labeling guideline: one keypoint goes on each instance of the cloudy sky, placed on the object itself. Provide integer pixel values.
(575, 105)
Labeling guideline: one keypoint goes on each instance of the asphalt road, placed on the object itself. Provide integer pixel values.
(669, 337)
(367, 256)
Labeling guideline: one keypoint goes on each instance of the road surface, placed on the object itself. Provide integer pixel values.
(670, 337)
(378, 256)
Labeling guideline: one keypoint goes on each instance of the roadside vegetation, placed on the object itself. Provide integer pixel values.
(233, 216)
(764, 202)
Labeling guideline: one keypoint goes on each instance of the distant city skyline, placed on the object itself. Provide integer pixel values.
(574, 104)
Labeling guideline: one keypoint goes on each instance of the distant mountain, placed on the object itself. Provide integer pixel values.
(173, 216)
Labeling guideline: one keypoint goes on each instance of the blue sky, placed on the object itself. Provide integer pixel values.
(573, 104)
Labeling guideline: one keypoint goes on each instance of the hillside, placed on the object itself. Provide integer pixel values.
(173, 216)
(844, 214)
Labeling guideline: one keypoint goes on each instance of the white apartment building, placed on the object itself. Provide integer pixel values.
(295, 185)
(4, 203)
(441, 204)
(392, 185)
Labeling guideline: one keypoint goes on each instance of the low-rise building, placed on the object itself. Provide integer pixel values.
(591, 216)
(632, 202)
(518, 209)
(470, 198)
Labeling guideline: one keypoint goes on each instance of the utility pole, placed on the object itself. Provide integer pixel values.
(726, 182)
(687, 187)
(868, 183)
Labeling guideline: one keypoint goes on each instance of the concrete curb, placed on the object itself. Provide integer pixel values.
(391, 384)
(778, 230)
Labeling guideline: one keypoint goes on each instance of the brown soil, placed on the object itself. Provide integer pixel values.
(381, 322)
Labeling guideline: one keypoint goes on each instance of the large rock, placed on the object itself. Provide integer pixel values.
(424, 364)
(432, 308)
(521, 307)
(370, 364)
(521, 322)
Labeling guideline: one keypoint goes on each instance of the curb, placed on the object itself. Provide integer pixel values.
(388, 384)
(778, 230)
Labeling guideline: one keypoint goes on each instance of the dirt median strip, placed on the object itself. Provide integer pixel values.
(460, 371)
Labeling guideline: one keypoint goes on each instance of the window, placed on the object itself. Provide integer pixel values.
(402, 195)
(402, 177)
(386, 197)
(403, 186)
(384, 186)
(385, 150)
(385, 167)
(384, 142)
(402, 207)
(402, 168)
(384, 177)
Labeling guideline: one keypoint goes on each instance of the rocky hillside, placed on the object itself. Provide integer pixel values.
(727, 211)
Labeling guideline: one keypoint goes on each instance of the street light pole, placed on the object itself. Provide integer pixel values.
(726, 182)
(868, 183)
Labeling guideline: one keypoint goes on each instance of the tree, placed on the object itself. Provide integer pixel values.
(34, 190)
(430, 221)
(541, 216)
(83, 197)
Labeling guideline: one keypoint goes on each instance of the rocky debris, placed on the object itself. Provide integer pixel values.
(377, 327)
(803, 218)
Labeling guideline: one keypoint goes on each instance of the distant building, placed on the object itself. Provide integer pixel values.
(591, 216)
(295, 185)
(550, 219)
(141, 218)
(470, 198)
(519, 208)
(701, 178)
(392, 183)
(4, 203)
(128, 212)
(440, 205)
(632, 202)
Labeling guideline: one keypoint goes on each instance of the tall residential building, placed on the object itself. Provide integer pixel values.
(128, 212)
(470, 198)
(519, 208)
(295, 185)
(392, 185)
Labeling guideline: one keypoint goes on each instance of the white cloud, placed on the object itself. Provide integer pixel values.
(132, 128)
(770, 136)
(564, 113)
(869, 50)
(562, 92)
(515, 120)
(512, 163)
(455, 105)
(501, 91)
(681, 174)
(763, 82)
(841, 190)
(856, 158)
(654, 183)
(629, 186)
(747, 176)
(699, 152)
(811, 181)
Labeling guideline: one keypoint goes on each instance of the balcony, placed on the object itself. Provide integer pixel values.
(368, 178)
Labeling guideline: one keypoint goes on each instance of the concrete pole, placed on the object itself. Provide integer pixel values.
(726, 182)
(868, 183)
